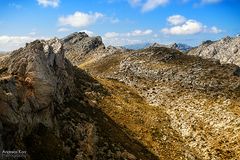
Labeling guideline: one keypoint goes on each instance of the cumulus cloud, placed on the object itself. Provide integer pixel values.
(182, 26)
(80, 19)
(140, 32)
(127, 38)
(215, 30)
(152, 4)
(176, 20)
(133, 33)
(50, 3)
(189, 27)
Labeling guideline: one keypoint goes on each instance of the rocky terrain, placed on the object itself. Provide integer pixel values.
(226, 50)
(179, 46)
(198, 98)
(154, 103)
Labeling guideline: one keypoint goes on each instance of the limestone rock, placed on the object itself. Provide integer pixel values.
(226, 50)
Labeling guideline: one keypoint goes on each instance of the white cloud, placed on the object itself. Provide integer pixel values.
(80, 19)
(215, 30)
(120, 41)
(210, 1)
(182, 26)
(189, 27)
(8, 43)
(111, 34)
(32, 33)
(63, 30)
(140, 32)
(90, 33)
(176, 20)
(152, 4)
(134, 33)
(50, 3)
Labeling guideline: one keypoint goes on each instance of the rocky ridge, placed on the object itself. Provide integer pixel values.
(43, 96)
(79, 47)
(225, 50)
(178, 46)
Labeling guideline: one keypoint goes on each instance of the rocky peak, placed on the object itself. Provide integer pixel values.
(79, 46)
(83, 41)
(207, 42)
(156, 45)
(114, 49)
(174, 45)
(33, 80)
(227, 50)
(75, 37)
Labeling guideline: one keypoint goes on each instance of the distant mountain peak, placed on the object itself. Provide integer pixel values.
(227, 50)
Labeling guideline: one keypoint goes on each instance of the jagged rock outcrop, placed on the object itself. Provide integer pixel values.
(226, 50)
(79, 47)
(178, 46)
(33, 81)
(181, 47)
(112, 49)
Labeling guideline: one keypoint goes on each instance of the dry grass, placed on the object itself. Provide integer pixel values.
(147, 124)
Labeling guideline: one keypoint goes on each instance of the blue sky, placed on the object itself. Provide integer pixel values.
(119, 22)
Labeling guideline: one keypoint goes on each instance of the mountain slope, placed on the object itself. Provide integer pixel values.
(45, 109)
(200, 97)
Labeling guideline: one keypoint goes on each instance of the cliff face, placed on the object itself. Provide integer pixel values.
(226, 50)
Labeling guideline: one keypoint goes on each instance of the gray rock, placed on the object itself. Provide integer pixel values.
(226, 50)
(36, 78)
